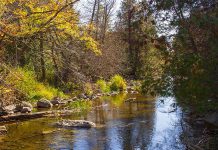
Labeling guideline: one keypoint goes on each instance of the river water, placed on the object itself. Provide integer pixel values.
(140, 125)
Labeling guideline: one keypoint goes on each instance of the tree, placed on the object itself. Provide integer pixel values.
(193, 52)
(41, 30)
(138, 30)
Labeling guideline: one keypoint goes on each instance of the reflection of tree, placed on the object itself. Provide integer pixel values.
(118, 99)
(29, 134)
(129, 132)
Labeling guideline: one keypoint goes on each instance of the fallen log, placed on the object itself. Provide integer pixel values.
(23, 117)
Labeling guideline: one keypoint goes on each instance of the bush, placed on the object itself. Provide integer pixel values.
(117, 83)
(102, 85)
(25, 81)
(88, 89)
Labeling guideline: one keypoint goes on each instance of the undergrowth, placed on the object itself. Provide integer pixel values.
(25, 82)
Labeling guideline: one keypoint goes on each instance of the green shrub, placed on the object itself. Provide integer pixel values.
(102, 85)
(117, 83)
(88, 89)
(25, 81)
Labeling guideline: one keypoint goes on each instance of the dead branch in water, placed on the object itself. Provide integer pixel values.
(23, 117)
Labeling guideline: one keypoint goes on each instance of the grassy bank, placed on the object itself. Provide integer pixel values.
(25, 85)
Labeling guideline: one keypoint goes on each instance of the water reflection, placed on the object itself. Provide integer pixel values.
(120, 126)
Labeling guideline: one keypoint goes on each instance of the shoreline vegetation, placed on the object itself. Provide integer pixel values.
(34, 97)
(52, 54)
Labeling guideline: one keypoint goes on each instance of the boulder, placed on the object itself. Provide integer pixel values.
(75, 124)
(56, 101)
(10, 109)
(26, 110)
(43, 103)
(3, 130)
(20, 106)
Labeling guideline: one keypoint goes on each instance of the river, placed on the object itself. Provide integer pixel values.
(121, 125)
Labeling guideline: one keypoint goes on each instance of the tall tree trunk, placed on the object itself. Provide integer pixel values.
(131, 54)
(42, 57)
(105, 24)
(56, 74)
(93, 15)
(93, 12)
(97, 20)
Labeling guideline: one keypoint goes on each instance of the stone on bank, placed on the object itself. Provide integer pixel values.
(43, 103)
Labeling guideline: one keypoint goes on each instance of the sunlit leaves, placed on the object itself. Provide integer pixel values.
(25, 18)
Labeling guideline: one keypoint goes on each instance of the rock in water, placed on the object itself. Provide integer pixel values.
(3, 130)
(43, 103)
(76, 124)
(26, 110)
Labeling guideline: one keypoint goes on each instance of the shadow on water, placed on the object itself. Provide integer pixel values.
(120, 125)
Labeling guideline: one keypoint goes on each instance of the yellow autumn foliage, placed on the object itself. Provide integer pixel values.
(26, 18)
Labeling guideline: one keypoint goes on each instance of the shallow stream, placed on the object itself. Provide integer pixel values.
(142, 124)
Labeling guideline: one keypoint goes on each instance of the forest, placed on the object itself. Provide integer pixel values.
(121, 59)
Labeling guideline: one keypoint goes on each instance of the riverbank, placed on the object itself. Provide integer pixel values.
(23, 110)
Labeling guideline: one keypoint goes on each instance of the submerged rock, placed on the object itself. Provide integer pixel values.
(43, 103)
(76, 123)
(3, 130)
